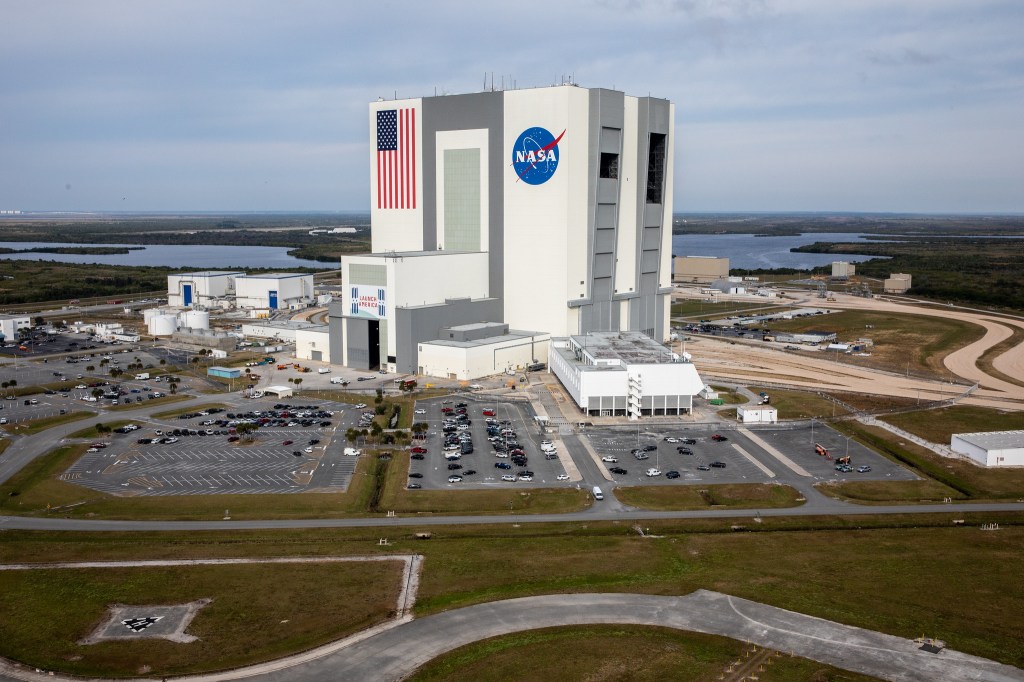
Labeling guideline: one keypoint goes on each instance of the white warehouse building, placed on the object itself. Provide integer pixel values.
(544, 209)
(991, 448)
(208, 289)
(471, 351)
(11, 324)
(313, 343)
(624, 374)
(276, 291)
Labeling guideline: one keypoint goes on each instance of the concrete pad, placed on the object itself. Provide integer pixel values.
(147, 622)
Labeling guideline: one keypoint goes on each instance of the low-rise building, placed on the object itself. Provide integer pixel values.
(207, 289)
(699, 268)
(843, 270)
(275, 290)
(759, 414)
(896, 283)
(471, 351)
(991, 448)
(624, 374)
(11, 324)
(313, 343)
(224, 372)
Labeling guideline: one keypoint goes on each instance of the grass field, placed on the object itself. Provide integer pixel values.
(937, 426)
(728, 396)
(902, 343)
(734, 496)
(945, 477)
(32, 426)
(171, 414)
(258, 612)
(799, 404)
(829, 567)
(612, 652)
(91, 432)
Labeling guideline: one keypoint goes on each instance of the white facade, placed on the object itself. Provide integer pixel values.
(10, 324)
(202, 289)
(313, 344)
(565, 191)
(453, 360)
(162, 324)
(624, 374)
(992, 448)
(842, 269)
(757, 415)
(276, 291)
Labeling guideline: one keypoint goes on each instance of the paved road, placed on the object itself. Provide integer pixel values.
(395, 652)
(597, 513)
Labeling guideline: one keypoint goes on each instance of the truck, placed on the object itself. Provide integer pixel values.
(143, 376)
(352, 452)
(598, 495)
(324, 370)
(339, 380)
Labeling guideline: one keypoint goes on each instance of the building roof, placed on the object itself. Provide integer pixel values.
(512, 335)
(208, 273)
(993, 440)
(629, 348)
(5, 316)
(283, 324)
(277, 275)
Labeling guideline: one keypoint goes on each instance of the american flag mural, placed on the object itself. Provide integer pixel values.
(396, 158)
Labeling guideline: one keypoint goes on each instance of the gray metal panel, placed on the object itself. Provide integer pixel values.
(357, 333)
(417, 325)
(605, 217)
(484, 110)
(603, 289)
(649, 263)
(336, 334)
(611, 140)
(604, 242)
(653, 214)
(651, 238)
(602, 268)
(607, 191)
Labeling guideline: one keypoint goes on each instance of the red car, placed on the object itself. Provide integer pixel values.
(447, 410)
(418, 450)
(489, 413)
(718, 437)
(287, 442)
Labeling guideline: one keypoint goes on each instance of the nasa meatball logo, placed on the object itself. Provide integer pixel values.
(535, 155)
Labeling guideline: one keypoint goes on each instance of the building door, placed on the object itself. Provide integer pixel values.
(316, 355)
(272, 296)
(186, 294)
(373, 343)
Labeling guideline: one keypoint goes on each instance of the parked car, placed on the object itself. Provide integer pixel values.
(652, 472)
(719, 438)
(618, 470)
(414, 486)
(415, 474)
(863, 469)
(562, 477)
(703, 467)
(416, 456)
(672, 474)
(718, 465)
(612, 460)
(454, 479)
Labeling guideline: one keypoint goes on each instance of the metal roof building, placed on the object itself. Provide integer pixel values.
(991, 448)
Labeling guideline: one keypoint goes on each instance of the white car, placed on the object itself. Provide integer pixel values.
(81, 387)
(360, 406)
(526, 478)
(421, 411)
(562, 477)
(508, 477)
(503, 455)
(546, 443)
(454, 479)
(671, 439)
(652, 472)
(612, 460)
(309, 449)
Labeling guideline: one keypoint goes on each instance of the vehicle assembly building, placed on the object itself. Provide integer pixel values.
(538, 212)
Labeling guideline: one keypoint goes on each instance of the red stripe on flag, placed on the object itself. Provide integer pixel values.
(412, 154)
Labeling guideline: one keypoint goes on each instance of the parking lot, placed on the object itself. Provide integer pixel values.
(745, 460)
(202, 455)
(433, 468)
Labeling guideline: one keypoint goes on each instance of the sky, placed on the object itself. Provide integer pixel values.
(257, 105)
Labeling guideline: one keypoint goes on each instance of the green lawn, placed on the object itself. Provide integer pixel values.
(92, 432)
(735, 496)
(163, 400)
(793, 404)
(36, 425)
(257, 613)
(614, 652)
(937, 426)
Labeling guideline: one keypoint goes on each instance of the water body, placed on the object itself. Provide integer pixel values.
(189, 257)
(756, 253)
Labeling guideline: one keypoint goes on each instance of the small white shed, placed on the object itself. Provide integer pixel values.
(757, 415)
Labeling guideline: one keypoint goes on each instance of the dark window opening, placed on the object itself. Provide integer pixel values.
(656, 168)
(609, 166)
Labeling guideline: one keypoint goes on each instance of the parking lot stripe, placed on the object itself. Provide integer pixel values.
(793, 466)
(768, 472)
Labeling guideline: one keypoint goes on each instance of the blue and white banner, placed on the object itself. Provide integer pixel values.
(368, 301)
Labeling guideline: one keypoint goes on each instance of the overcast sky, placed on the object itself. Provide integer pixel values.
(251, 105)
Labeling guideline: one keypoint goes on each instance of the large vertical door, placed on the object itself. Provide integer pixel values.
(272, 295)
(186, 294)
(373, 343)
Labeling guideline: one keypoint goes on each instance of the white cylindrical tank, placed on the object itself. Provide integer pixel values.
(148, 314)
(196, 319)
(163, 325)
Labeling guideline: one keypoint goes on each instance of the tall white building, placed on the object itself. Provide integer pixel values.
(544, 209)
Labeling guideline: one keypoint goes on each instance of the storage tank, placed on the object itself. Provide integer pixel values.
(163, 325)
(148, 314)
(196, 319)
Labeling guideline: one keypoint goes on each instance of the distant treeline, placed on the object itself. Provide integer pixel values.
(79, 250)
(777, 225)
(970, 270)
